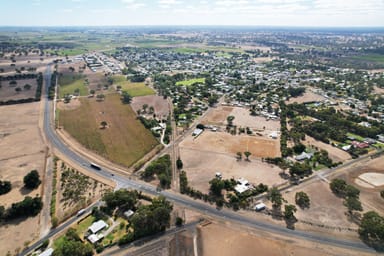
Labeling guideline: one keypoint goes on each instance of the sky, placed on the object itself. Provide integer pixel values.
(301, 13)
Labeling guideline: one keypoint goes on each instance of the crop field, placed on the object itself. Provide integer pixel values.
(124, 140)
(191, 81)
(134, 89)
(371, 57)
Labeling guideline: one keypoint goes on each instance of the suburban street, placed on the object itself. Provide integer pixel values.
(200, 206)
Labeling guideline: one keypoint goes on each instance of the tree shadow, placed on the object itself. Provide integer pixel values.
(25, 191)
(290, 223)
(276, 213)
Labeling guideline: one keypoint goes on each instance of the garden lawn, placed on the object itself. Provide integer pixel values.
(69, 83)
(191, 81)
(133, 89)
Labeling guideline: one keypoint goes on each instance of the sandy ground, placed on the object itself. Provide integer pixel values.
(334, 153)
(23, 151)
(222, 239)
(201, 167)
(376, 179)
(308, 96)
(160, 104)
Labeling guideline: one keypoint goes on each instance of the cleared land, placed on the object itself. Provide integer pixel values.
(23, 151)
(222, 142)
(133, 89)
(308, 96)
(259, 123)
(191, 81)
(124, 140)
(160, 104)
(217, 116)
(201, 167)
(8, 91)
(221, 239)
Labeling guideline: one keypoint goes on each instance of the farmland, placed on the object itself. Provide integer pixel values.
(123, 141)
(134, 89)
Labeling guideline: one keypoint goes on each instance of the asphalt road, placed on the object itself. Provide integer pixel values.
(187, 201)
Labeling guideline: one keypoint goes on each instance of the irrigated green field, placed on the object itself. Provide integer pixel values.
(124, 141)
(134, 89)
(191, 81)
(70, 82)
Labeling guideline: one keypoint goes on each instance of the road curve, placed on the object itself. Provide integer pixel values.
(186, 201)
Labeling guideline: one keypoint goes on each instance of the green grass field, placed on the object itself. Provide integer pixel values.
(69, 83)
(82, 227)
(134, 89)
(191, 81)
(371, 57)
(124, 141)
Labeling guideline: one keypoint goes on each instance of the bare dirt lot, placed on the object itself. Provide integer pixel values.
(201, 167)
(221, 239)
(335, 154)
(308, 96)
(222, 142)
(217, 116)
(325, 209)
(369, 195)
(8, 92)
(160, 104)
(23, 151)
(244, 119)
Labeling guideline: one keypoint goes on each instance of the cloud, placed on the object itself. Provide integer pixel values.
(133, 4)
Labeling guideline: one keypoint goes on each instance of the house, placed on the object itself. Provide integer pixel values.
(357, 144)
(380, 138)
(242, 185)
(128, 214)
(97, 226)
(197, 132)
(94, 238)
(346, 148)
(303, 156)
(369, 141)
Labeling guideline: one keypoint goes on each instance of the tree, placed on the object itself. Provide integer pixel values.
(151, 110)
(122, 198)
(28, 207)
(100, 97)
(5, 187)
(353, 204)
(32, 180)
(92, 92)
(338, 187)
(382, 193)
(216, 186)
(275, 197)
(145, 106)
(302, 200)
(179, 222)
(72, 245)
(239, 156)
(247, 154)
(371, 230)
(230, 120)
(103, 124)
(126, 98)
(179, 163)
(27, 87)
(18, 89)
(289, 211)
